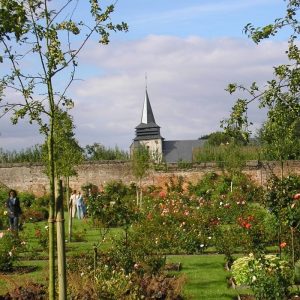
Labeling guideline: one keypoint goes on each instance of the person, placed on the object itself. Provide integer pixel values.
(13, 210)
(80, 206)
(73, 204)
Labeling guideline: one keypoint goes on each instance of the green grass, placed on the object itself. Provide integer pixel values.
(11, 281)
(205, 276)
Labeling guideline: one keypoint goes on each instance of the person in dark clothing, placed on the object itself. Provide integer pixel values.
(13, 210)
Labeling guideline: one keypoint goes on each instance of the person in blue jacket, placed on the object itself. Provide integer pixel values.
(13, 210)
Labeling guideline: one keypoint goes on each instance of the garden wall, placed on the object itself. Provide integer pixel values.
(31, 177)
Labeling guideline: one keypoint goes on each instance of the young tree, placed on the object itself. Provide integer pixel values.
(280, 96)
(140, 166)
(40, 42)
(67, 154)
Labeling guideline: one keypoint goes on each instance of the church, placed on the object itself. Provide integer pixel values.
(147, 133)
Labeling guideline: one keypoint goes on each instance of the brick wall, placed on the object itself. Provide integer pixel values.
(32, 178)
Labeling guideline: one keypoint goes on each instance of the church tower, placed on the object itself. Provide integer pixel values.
(148, 132)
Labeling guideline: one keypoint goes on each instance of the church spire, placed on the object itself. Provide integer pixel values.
(147, 115)
(147, 129)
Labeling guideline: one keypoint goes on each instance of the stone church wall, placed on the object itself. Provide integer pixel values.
(31, 177)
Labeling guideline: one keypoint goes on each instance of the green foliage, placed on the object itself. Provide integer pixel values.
(32, 154)
(42, 37)
(279, 135)
(114, 206)
(279, 97)
(9, 250)
(234, 160)
(268, 276)
(108, 280)
(140, 161)
(99, 152)
(280, 192)
(41, 233)
(210, 153)
(216, 138)
(227, 241)
(36, 214)
(26, 199)
(175, 184)
(13, 19)
(279, 199)
(183, 165)
(67, 152)
(297, 272)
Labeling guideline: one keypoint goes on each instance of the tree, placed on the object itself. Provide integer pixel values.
(140, 166)
(216, 138)
(279, 135)
(67, 154)
(40, 41)
(280, 96)
(99, 152)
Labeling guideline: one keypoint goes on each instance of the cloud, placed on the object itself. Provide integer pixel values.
(186, 82)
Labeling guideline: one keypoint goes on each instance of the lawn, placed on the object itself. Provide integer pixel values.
(205, 274)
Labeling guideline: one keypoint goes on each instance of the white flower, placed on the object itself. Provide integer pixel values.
(202, 245)
(253, 278)
(209, 237)
(5, 212)
(81, 274)
(221, 203)
(46, 227)
(10, 253)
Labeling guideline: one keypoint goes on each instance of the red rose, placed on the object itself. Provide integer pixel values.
(297, 196)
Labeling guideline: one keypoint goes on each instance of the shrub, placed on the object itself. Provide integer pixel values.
(109, 281)
(297, 272)
(41, 201)
(42, 235)
(26, 199)
(34, 215)
(9, 245)
(268, 276)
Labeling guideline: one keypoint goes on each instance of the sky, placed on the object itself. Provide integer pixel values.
(185, 52)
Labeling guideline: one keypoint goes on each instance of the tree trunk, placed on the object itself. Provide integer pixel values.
(61, 251)
(141, 193)
(70, 221)
(137, 196)
(51, 219)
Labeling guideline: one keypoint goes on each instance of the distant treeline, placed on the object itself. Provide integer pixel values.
(89, 152)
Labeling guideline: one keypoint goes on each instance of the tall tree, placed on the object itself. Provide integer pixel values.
(40, 41)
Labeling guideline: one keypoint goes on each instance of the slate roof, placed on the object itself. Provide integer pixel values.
(147, 129)
(174, 151)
